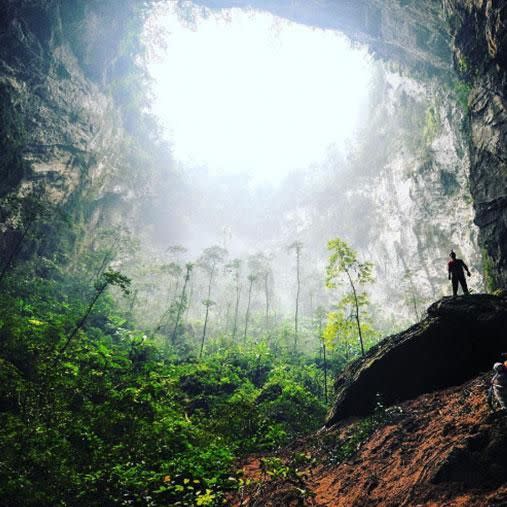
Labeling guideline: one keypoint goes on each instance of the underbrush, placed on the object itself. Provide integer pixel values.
(113, 420)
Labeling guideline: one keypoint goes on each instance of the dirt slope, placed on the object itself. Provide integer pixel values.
(440, 449)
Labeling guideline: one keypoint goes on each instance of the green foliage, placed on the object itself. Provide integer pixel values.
(340, 335)
(292, 471)
(361, 431)
(431, 125)
(488, 267)
(343, 260)
(118, 422)
(461, 92)
(211, 257)
(462, 64)
(115, 279)
(343, 263)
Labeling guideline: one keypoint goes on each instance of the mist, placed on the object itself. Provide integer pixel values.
(281, 132)
(220, 223)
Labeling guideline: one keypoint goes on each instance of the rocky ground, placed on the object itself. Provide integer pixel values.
(410, 424)
(442, 449)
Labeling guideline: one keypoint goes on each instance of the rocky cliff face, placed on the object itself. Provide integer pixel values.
(58, 64)
(420, 202)
(410, 32)
(63, 133)
(479, 32)
(425, 38)
(70, 129)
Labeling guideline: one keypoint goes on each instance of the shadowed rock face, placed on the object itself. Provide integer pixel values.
(411, 32)
(68, 125)
(479, 31)
(460, 338)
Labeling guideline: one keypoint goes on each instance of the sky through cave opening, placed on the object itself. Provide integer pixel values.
(281, 131)
(245, 92)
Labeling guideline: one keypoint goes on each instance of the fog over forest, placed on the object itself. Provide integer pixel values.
(281, 132)
(231, 238)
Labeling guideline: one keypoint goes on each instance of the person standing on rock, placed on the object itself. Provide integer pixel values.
(457, 268)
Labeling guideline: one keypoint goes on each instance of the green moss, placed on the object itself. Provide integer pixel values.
(431, 125)
(461, 91)
(462, 64)
(488, 267)
(12, 141)
(449, 182)
(362, 431)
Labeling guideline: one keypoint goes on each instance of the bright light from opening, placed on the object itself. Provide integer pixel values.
(244, 91)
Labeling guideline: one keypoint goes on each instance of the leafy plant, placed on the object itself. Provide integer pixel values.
(343, 261)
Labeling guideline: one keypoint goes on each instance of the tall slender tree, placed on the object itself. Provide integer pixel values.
(174, 271)
(182, 302)
(132, 303)
(260, 265)
(297, 246)
(235, 268)
(320, 315)
(209, 261)
(251, 279)
(343, 261)
(108, 278)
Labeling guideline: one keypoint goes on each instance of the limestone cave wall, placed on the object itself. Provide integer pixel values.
(62, 128)
(441, 40)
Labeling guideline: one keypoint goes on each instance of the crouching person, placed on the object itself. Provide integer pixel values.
(498, 389)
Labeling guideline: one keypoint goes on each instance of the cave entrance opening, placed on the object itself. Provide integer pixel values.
(240, 91)
(282, 131)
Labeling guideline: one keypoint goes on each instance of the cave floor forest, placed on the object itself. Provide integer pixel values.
(209, 210)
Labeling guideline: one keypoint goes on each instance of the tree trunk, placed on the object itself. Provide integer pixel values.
(236, 311)
(180, 306)
(227, 317)
(132, 303)
(247, 316)
(107, 258)
(207, 309)
(325, 371)
(266, 295)
(296, 314)
(357, 312)
(190, 295)
(323, 343)
(204, 331)
(81, 322)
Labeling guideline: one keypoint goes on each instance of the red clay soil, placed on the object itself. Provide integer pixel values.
(430, 453)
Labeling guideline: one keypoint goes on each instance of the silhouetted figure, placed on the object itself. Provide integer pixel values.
(457, 270)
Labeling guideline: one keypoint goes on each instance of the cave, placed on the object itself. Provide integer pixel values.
(439, 40)
(137, 371)
(454, 49)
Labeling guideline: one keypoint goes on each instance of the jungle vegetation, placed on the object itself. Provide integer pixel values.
(126, 383)
(135, 372)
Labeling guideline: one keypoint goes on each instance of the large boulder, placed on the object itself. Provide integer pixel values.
(460, 338)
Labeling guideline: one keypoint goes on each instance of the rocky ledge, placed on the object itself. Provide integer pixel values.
(460, 338)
